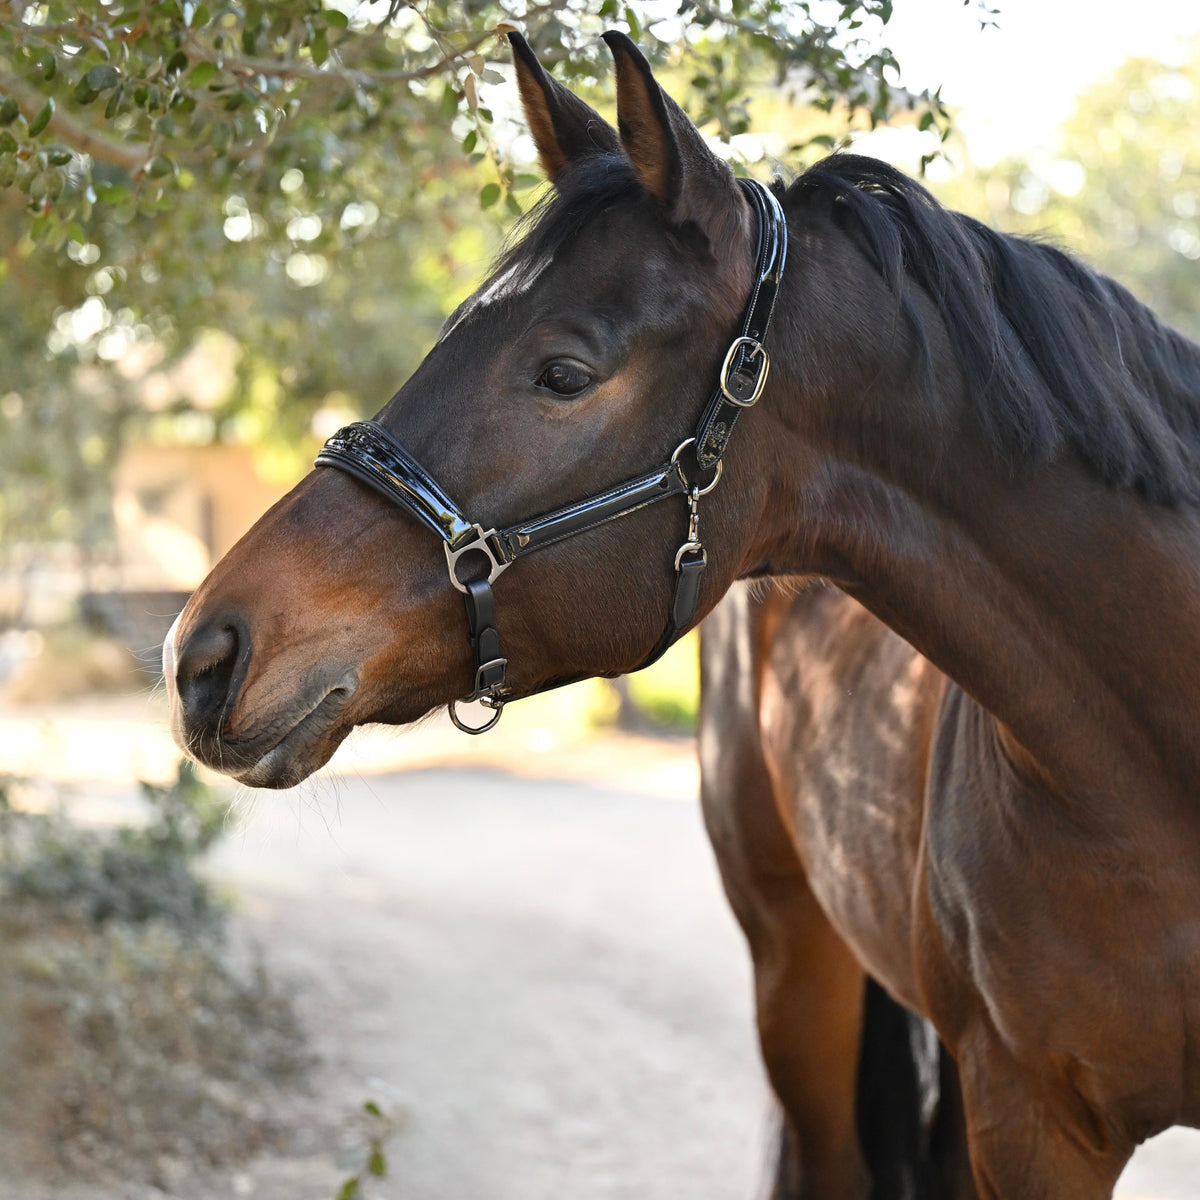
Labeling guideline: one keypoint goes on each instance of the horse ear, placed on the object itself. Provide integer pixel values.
(666, 149)
(564, 128)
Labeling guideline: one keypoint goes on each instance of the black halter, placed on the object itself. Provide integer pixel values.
(368, 452)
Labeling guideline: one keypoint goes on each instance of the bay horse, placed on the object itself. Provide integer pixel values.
(982, 796)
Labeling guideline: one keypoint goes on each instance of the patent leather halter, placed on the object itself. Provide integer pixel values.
(371, 454)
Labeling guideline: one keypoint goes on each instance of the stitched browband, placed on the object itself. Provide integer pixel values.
(372, 455)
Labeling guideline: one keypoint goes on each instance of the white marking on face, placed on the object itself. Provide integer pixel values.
(515, 281)
(168, 658)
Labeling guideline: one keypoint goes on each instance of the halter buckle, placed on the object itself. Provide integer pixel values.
(735, 390)
(479, 544)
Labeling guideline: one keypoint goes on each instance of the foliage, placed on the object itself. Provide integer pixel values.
(1121, 188)
(121, 105)
(132, 1043)
(306, 177)
(134, 875)
(125, 1044)
(368, 1159)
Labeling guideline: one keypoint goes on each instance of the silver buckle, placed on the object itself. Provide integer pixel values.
(479, 545)
(756, 349)
(489, 693)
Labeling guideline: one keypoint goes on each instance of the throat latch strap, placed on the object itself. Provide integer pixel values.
(744, 372)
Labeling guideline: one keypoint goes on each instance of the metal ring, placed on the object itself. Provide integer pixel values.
(496, 705)
(715, 479)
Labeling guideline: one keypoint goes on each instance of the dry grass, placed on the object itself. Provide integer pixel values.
(133, 1045)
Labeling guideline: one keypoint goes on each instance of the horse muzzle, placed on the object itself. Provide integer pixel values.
(263, 735)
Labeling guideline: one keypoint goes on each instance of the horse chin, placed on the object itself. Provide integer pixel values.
(295, 744)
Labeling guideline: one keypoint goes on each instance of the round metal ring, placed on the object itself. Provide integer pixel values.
(712, 482)
(497, 707)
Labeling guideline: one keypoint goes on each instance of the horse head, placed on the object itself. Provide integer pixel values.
(577, 370)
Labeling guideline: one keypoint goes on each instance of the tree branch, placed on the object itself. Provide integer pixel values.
(76, 134)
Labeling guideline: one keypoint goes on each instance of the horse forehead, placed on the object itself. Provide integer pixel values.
(514, 280)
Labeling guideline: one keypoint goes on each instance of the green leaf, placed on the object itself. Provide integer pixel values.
(10, 110)
(114, 104)
(376, 1163)
(111, 193)
(468, 143)
(8, 143)
(350, 1190)
(8, 171)
(84, 93)
(42, 119)
(335, 19)
(60, 158)
(159, 166)
(319, 48)
(49, 65)
(177, 62)
(372, 1109)
(488, 195)
(202, 73)
(102, 77)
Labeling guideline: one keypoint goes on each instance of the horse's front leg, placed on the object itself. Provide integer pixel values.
(809, 993)
(1032, 1136)
(808, 986)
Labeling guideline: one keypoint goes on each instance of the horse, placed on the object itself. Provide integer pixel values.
(982, 796)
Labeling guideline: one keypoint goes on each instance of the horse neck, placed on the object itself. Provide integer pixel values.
(1068, 609)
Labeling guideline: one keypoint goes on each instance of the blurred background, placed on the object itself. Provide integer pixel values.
(447, 966)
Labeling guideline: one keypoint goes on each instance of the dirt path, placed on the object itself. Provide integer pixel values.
(543, 980)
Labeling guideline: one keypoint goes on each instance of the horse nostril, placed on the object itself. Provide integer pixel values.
(205, 668)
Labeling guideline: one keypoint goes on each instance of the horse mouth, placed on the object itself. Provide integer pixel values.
(275, 759)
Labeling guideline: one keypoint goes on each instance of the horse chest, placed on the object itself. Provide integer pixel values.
(1075, 947)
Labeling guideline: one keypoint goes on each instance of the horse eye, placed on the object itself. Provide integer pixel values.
(564, 379)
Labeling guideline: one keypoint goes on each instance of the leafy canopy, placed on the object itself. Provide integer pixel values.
(305, 177)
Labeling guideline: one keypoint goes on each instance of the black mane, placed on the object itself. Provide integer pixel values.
(1052, 351)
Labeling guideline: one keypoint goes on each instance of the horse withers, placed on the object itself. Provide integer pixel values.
(989, 447)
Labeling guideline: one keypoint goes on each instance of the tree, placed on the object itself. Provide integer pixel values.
(299, 174)
(1121, 187)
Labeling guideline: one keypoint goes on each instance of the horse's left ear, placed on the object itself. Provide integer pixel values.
(564, 128)
(666, 149)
